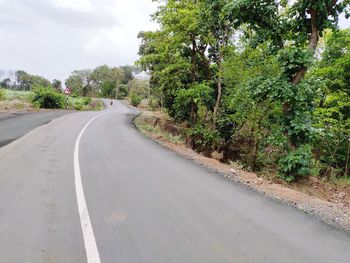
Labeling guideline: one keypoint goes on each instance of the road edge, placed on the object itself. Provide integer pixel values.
(329, 213)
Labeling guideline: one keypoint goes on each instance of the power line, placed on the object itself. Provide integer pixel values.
(37, 64)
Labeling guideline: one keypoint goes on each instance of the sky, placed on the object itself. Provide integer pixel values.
(51, 38)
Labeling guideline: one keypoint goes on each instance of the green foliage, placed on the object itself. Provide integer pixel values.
(26, 81)
(108, 89)
(188, 100)
(244, 79)
(87, 101)
(296, 163)
(47, 98)
(204, 139)
(139, 87)
(18, 95)
(294, 59)
(123, 91)
(153, 103)
(78, 105)
(2, 94)
(102, 81)
(135, 99)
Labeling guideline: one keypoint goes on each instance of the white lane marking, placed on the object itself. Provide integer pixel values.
(88, 233)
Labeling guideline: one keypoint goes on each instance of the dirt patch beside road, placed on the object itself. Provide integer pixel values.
(325, 200)
(15, 106)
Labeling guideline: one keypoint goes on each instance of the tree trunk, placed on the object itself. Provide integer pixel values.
(346, 171)
(219, 90)
(313, 42)
(193, 60)
(218, 100)
(193, 114)
(314, 38)
(206, 64)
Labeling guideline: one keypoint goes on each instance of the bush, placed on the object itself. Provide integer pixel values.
(135, 100)
(122, 91)
(153, 103)
(87, 101)
(47, 98)
(296, 163)
(2, 94)
(203, 139)
(78, 105)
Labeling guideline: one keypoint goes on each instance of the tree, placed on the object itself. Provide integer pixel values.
(293, 31)
(6, 83)
(254, 55)
(57, 85)
(25, 81)
(139, 87)
(129, 72)
(221, 31)
(332, 117)
(80, 82)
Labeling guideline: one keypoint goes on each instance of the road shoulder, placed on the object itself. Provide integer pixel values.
(335, 213)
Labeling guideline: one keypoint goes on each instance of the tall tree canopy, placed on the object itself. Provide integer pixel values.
(237, 73)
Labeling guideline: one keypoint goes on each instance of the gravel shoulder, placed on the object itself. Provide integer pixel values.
(335, 212)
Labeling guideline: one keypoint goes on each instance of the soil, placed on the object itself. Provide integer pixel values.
(325, 200)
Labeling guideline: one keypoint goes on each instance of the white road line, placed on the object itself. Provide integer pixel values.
(88, 233)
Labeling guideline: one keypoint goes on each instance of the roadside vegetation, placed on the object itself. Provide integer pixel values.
(105, 82)
(263, 84)
(110, 82)
(20, 90)
(44, 98)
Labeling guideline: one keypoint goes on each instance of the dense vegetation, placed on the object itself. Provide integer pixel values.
(262, 82)
(23, 81)
(104, 81)
(22, 90)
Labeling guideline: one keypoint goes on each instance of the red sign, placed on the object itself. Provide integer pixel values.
(67, 91)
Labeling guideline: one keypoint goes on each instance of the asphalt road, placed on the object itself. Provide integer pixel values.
(145, 203)
(15, 127)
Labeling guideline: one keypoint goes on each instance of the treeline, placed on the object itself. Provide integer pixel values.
(23, 81)
(266, 83)
(105, 81)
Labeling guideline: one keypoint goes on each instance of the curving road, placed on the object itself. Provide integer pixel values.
(139, 202)
(16, 125)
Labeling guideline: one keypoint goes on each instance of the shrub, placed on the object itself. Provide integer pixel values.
(135, 99)
(203, 139)
(87, 101)
(296, 164)
(122, 91)
(153, 103)
(47, 98)
(78, 105)
(2, 94)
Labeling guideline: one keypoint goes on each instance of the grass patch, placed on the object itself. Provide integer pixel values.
(341, 181)
(18, 95)
(156, 131)
(22, 100)
(85, 104)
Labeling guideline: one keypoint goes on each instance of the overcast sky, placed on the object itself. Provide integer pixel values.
(52, 38)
